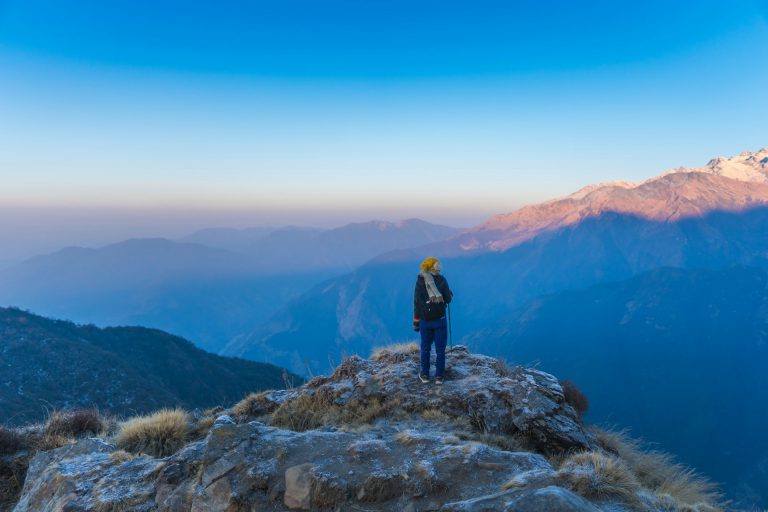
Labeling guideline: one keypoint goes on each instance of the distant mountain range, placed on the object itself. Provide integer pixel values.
(685, 218)
(50, 364)
(686, 251)
(730, 185)
(293, 248)
(208, 293)
(669, 273)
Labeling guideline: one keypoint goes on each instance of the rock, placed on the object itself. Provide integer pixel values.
(552, 499)
(298, 486)
(416, 451)
(518, 401)
(224, 419)
(86, 476)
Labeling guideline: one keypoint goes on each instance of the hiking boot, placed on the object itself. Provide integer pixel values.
(438, 380)
(424, 378)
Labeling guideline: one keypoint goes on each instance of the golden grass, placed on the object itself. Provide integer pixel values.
(12, 473)
(11, 441)
(201, 427)
(436, 416)
(457, 424)
(57, 432)
(159, 434)
(409, 437)
(308, 412)
(305, 412)
(503, 369)
(395, 353)
(596, 475)
(121, 456)
(75, 423)
(659, 472)
(254, 405)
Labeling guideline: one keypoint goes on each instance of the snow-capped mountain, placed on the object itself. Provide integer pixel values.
(724, 184)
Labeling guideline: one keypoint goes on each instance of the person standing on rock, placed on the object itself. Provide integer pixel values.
(430, 299)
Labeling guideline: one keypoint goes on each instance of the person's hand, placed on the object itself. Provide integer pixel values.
(416, 322)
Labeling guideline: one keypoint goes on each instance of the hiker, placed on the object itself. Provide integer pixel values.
(430, 299)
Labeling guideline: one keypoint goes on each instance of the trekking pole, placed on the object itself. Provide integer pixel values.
(450, 334)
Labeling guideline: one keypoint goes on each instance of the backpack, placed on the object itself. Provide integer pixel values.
(434, 310)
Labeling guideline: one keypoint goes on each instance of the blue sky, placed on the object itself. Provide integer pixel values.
(321, 112)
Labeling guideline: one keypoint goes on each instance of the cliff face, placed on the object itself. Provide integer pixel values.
(372, 437)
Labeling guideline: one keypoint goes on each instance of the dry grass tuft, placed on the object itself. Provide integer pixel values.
(46, 442)
(575, 397)
(213, 411)
(308, 412)
(395, 353)
(457, 424)
(159, 434)
(318, 381)
(360, 412)
(254, 405)
(121, 456)
(503, 369)
(659, 472)
(11, 441)
(305, 412)
(436, 416)
(18, 447)
(201, 427)
(596, 475)
(13, 470)
(409, 437)
(75, 423)
(348, 368)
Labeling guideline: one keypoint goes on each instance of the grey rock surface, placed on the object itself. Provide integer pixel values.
(497, 399)
(406, 458)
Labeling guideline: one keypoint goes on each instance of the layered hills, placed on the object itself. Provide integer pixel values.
(46, 365)
(210, 286)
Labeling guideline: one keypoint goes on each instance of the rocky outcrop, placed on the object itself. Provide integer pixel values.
(493, 397)
(372, 438)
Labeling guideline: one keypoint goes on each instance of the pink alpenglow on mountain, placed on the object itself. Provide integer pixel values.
(724, 184)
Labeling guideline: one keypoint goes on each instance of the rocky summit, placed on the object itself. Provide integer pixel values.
(372, 437)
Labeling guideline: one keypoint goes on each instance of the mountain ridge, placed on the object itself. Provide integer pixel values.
(207, 294)
(690, 192)
(46, 363)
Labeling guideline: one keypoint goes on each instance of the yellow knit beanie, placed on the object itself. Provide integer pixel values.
(429, 264)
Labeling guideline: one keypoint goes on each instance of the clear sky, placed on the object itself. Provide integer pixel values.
(188, 114)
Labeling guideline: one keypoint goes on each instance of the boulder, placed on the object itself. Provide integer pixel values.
(298, 487)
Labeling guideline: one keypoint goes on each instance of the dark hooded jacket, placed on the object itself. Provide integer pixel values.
(425, 310)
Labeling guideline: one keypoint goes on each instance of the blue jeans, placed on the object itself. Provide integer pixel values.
(437, 331)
